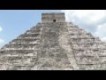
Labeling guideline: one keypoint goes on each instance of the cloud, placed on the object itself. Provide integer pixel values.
(103, 39)
(1, 42)
(88, 16)
(101, 31)
(93, 21)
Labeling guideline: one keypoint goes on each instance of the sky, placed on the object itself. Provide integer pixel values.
(15, 22)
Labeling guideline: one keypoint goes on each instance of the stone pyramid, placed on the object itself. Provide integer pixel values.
(54, 44)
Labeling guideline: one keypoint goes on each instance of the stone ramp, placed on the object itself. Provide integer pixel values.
(52, 56)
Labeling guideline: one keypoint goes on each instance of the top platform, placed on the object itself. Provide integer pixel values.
(53, 17)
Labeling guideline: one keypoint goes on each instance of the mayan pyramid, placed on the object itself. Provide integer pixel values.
(54, 44)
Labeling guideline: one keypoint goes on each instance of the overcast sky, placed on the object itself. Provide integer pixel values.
(15, 22)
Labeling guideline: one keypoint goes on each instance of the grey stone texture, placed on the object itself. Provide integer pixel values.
(54, 44)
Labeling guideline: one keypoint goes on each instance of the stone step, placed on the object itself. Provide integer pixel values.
(82, 42)
(85, 53)
(17, 57)
(89, 47)
(2, 51)
(16, 51)
(20, 67)
(87, 60)
(20, 45)
(76, 31)
(18, 60)
(90, 67)
(32, 33)
(37, 31)
(84, 49)
(16, 54)
(25, 39)
(25, 43)
(102, 66)
(102, 53)
(29, 35)
(80, 36)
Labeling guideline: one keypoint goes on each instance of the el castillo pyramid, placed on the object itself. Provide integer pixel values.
(54, 44)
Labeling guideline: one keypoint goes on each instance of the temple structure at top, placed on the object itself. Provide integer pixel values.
(53, 17)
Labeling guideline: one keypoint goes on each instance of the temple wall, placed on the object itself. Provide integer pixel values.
(48, 18)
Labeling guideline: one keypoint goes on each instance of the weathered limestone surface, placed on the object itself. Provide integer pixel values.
(54, 44)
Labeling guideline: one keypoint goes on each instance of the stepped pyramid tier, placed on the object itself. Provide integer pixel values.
(54, 44)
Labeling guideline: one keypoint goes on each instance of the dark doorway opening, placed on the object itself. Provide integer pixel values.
(54, 20)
